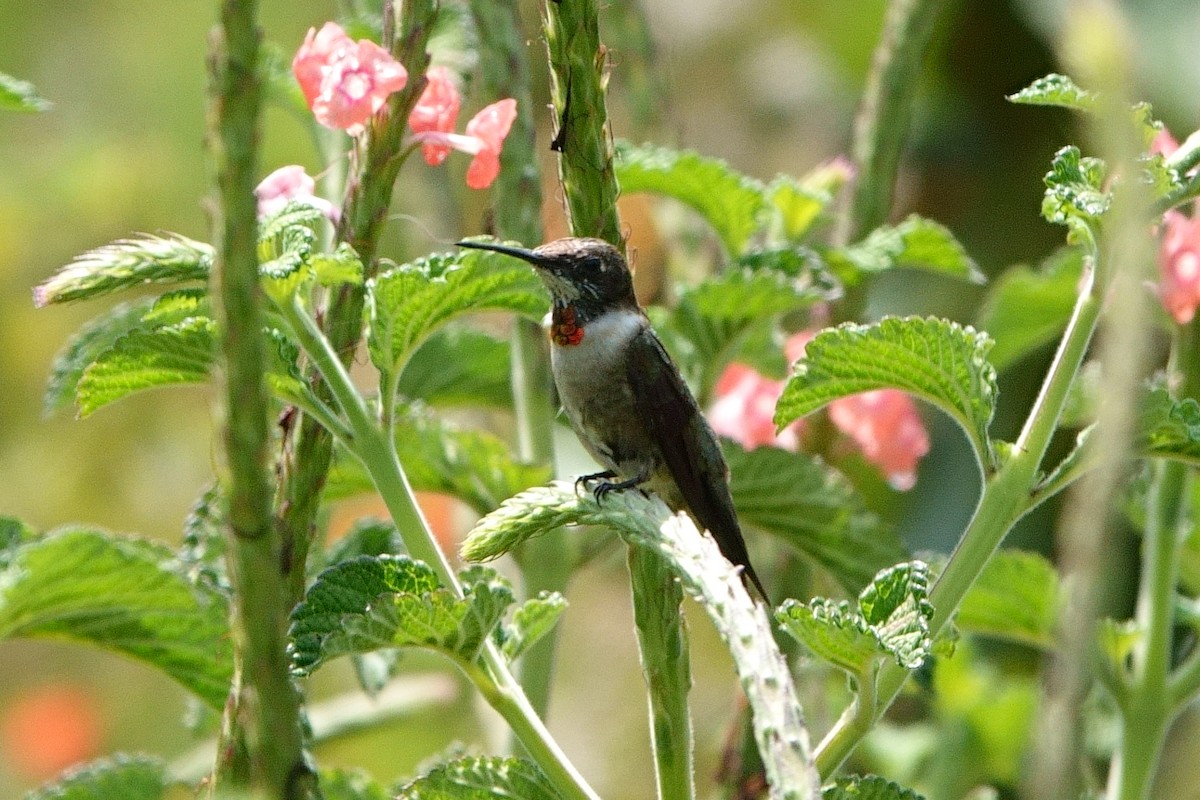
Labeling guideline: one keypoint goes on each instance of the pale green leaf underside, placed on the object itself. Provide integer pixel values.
(834, 632)
(125, 264)
(408, 303)
(481, 779)
(939, 361)
(120, 594)
(813, 508)
(19, 95)
(1015, 598)
(1055, 90)
(730, 202)
(532, 620)
(459, 367)
(870, 787)
(95, 337)
(122, 776)
(374, 603)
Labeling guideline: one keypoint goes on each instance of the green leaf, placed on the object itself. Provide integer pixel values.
(125, 595)
(1055, 90)
(870, 787)
(730, 202)
(13, 532)
(292, 229)
(121, 776)
(19, 95)
(1074, 194)
(532, 620)
(1015, 598)
(481, 779)
(936, 360)
(459, 367)
(85, 346)
(126, 264)
(1171, 428)
(341, 266)
(474, 466)
(916, 243)
(815, 509)
(172, 355)
(408, 303)
(366, 537)
(1027, 309)
(892, 618)
(801, 204)
(373, 603)
(351, 784)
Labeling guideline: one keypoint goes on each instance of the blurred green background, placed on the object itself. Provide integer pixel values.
(769, 85)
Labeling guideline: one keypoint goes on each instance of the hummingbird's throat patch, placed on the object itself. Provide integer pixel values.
(564, 331)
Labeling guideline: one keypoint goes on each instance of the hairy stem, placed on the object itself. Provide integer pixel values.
(263, 736)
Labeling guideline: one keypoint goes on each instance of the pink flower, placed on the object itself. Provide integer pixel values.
(437, 110)
(887, 428)
(745, 407)
(484, 139)
(286, 184)
(1164, 144)
(1179, 266)
(345, 82)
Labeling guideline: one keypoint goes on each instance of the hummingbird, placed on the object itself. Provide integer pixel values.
(622, 393)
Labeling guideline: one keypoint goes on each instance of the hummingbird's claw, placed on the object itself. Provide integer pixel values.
(584, 480)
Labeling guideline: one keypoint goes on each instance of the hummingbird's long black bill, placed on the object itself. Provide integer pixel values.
(508, 250)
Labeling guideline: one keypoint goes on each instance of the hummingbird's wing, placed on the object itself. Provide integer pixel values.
(688, 445)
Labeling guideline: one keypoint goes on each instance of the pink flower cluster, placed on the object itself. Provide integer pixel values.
(883, 424)
(347, 82)
(1179, 252)
(290, 183)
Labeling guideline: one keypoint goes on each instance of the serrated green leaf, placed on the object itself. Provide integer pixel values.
(1074, 194)
(84, 346)
(896, 607)
(351, 784)
(870, 787)
(1015, 598)
(1055, 90)
(916, 243)
(459, 367)
(126, 777)
(939, 361)
(408, 303)
(730, 202)
(481, 779)
(813, 508)
(366, 537)
(290, 229)
(125, 595)
(126, 264)
(1027, 309)
(1171, 428)
(373, 603)
(474, 466)
(19, 95)
(341, 266)
(202, 553)
(833, 631)
(172, 355)
(798, 207)
(532, 620)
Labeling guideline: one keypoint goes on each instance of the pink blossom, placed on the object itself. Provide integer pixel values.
(484, 139)
(286, 184)
(1164, 144)
(345, 82)
(437, 110)
(1179, 266)
(887, 428)
(745, 408)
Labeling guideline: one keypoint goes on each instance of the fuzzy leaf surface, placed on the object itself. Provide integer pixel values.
(124, 595)
(834, 631)
(121, 776)
(939, 361)
(1015, 598)
(409, 302)
(84, 346)
(1028, 308)
(479, 778)
(532, 620)
(125, 264)
(869, 787)
(1055, 90)
(730, 202)
(1074, 193)
(374, 603)
(916, 243)
(815, 509)
(19, 95)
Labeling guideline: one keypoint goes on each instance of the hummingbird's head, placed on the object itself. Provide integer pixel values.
(577, 271)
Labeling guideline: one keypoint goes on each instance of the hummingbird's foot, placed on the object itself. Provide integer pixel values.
(584, 480)
(604, 487)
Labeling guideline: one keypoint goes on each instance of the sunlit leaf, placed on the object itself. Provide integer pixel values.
(121, 594)
(1015, 598)
(1055, 90)
(870, 787)
(126, 777)
(125, 264)
(1075, 196)
(936, 360)
(730, 202)
(481, 779)
(916, 243)
(532, 620)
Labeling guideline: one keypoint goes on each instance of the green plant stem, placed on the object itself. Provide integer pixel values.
(663, 646)
(1004, 500)
(306, 458)
(263, 743)
(377, 452)
(881, 126)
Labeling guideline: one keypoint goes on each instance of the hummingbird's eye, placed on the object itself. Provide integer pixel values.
(595, 263)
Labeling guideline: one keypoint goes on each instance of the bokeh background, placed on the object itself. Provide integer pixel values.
(769, 85)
